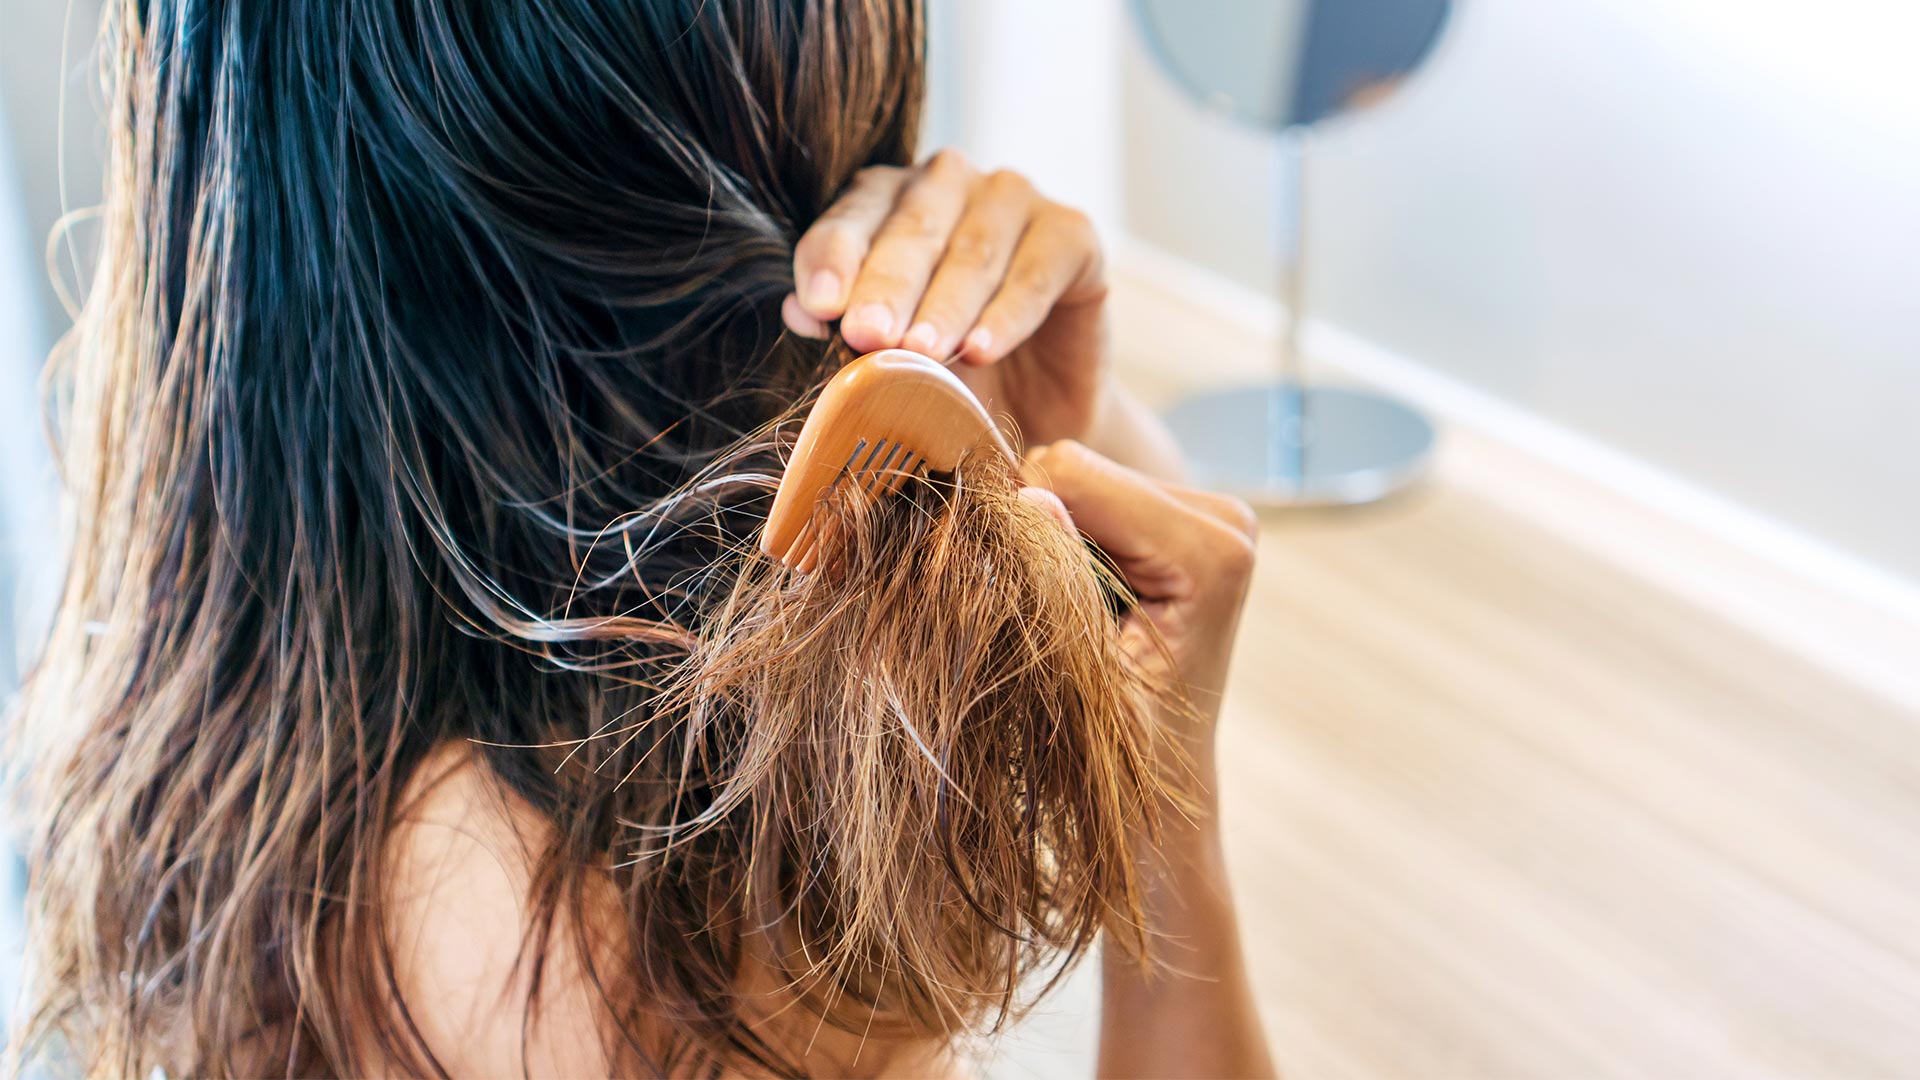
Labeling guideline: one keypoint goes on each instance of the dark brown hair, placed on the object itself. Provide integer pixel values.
(430, 391)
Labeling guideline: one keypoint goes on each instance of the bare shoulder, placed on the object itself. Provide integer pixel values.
(460, 865)
(455, 822)
(460, 868)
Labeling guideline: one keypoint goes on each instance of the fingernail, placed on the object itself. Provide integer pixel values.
(823, 291)
(873, 319)
(980, 342)
(799, 321)
(1048, 501)
(921, 338)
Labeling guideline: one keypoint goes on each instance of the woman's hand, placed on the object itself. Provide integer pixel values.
(1188, 556)
(954, 263)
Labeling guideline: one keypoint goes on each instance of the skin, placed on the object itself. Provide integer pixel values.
(1010, 288)
(1189, 557)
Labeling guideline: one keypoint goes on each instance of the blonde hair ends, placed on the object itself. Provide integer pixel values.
(946, 760)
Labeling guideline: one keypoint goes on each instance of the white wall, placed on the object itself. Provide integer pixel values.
(46, 45)
(30, 317)
(32, 63)
(1034, 86)
(25, 479)
(1689, 228)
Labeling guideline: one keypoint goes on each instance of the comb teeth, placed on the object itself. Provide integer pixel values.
(885, 417)
(873, 476)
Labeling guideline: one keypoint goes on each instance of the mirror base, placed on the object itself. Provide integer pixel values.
(1282, 444)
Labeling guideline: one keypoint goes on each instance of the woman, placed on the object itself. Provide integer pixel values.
(411, 427)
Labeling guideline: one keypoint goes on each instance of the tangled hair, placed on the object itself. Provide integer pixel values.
(430, 393)
(923, 767)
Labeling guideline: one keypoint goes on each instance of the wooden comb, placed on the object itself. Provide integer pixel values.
(887, 416)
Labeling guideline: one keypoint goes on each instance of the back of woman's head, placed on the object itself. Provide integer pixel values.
(428, 391)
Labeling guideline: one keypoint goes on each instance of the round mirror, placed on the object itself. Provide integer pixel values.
(1284, 66)
(1279, 64)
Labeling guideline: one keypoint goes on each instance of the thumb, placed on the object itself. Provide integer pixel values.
(1127, 514)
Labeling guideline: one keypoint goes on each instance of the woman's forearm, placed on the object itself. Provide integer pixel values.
(1191, 1013)
(1188, 555)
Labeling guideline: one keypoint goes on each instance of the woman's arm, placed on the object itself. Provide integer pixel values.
(1189, 557)
(1194, 1016)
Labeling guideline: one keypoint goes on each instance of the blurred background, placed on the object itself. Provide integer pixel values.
(1596, 749)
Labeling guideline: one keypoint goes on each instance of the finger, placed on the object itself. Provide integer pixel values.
(974, 263)
(828, 256)
(1131, 517)
(1234, 513)
(904, 252)
(1058, 254)
(799, 321)
(1051, 504)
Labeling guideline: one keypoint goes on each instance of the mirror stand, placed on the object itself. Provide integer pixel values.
(1290, 443)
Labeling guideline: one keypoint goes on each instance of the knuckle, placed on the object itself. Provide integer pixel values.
(1005, 183)
(1074, 229)
(830, 241)
(949, 160)
(834, 228)
(972, 249)
(1068, 455)
(812, 248)
(1070, 220)
(1031, 278)
(1241, 517)
(915, 223)
(1233, 551)
(878, 281)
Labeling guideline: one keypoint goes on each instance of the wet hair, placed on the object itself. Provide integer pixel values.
(430, 391)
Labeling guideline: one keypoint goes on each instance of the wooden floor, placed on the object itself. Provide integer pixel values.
(1498, 809)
